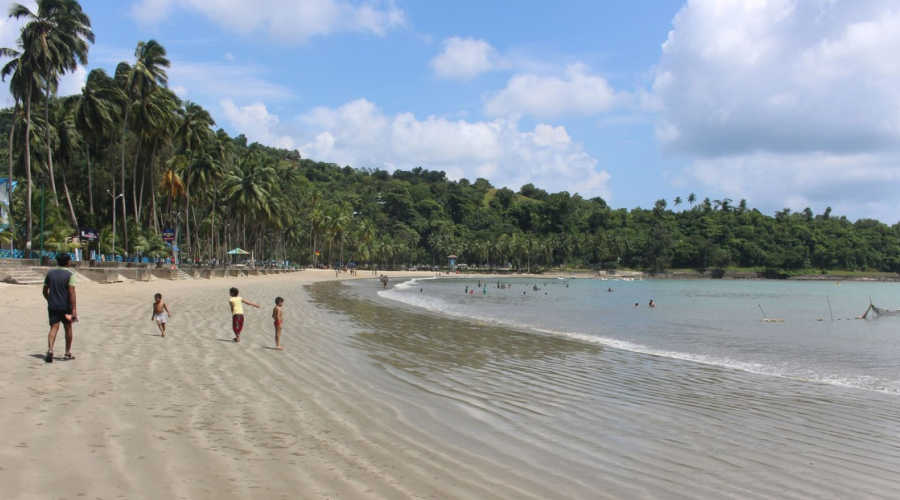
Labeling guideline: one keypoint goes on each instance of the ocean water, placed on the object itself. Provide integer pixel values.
(712, 322)
(573, 392)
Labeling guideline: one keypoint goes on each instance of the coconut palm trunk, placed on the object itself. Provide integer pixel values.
(28, 217)
(49, 146)
(122, 178)
(68, 198)
(90, 179)
(12, 131)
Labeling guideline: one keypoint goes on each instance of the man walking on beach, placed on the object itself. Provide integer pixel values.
(59, 291)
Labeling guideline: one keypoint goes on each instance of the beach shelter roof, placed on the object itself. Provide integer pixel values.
(238, 251)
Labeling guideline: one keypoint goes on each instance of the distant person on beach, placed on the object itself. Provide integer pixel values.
(59, 292)
(384, 281)
(160, 310)
(277, 316)
(651, 303)
(237, 312)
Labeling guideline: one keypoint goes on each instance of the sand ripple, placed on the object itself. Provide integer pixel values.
(374, 402)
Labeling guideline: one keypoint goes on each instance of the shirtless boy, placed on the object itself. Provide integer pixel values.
(277, 316)
(160, 310)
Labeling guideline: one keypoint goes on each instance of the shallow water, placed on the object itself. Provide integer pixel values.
(710, 321)
(583, 415)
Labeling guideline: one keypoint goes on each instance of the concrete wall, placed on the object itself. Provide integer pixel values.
(165, 274)
(136, 274)
(21, 262)
(100, 275)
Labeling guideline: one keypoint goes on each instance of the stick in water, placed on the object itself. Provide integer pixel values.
(761, 309)
(829, 307)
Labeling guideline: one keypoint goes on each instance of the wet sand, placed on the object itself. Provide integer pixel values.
(371, 401)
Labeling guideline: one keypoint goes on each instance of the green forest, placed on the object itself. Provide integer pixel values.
(129, 158)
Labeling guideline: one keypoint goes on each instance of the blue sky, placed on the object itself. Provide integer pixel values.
(784, 103)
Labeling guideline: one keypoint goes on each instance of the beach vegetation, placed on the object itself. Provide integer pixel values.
(165, 166)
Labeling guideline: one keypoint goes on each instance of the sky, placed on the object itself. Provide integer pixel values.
(784, 103)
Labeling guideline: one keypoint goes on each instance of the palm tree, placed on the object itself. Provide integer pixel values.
(677, 201)
(338, 217)
(206, 172)
(660, 206)
(366, 232)
(96, 112)
(160, 129)
(25, 79)
(136, 82)
(317, 224)
(151, 118)
(246, 189)
(192, 134)
(692, 198)
(315, 219)
(20, 85)
(68, 142)
(172, 184)
(55, 40)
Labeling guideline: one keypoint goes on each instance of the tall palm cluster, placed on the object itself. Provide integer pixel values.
(128, 146)
(128, 157)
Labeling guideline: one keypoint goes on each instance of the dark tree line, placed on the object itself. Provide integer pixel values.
(128, 157)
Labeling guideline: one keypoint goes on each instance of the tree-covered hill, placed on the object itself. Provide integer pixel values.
(128, 149)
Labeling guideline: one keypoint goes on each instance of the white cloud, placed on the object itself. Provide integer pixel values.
(361, 135)
(791, 88)
(861, 184)
(180, 90)
(255, 122)
(151, 11)
(72, 83)
(225, 80)
(546, 135)
(466, 58)
(289, 21)
(578, 92)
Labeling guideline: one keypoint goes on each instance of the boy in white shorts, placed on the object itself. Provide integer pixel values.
(159, 313)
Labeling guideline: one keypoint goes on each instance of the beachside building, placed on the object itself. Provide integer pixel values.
(452, 262)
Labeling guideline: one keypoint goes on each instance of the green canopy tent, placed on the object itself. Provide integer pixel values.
(237, 251)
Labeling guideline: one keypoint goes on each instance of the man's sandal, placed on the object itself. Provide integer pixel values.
(68, 356)
(49, 357)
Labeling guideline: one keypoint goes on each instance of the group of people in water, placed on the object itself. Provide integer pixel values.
(470, 290)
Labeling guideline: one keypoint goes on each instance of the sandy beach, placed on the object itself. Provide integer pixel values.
(394, 406)
(195, 415)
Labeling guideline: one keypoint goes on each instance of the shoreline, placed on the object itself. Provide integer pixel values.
(366, 403)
